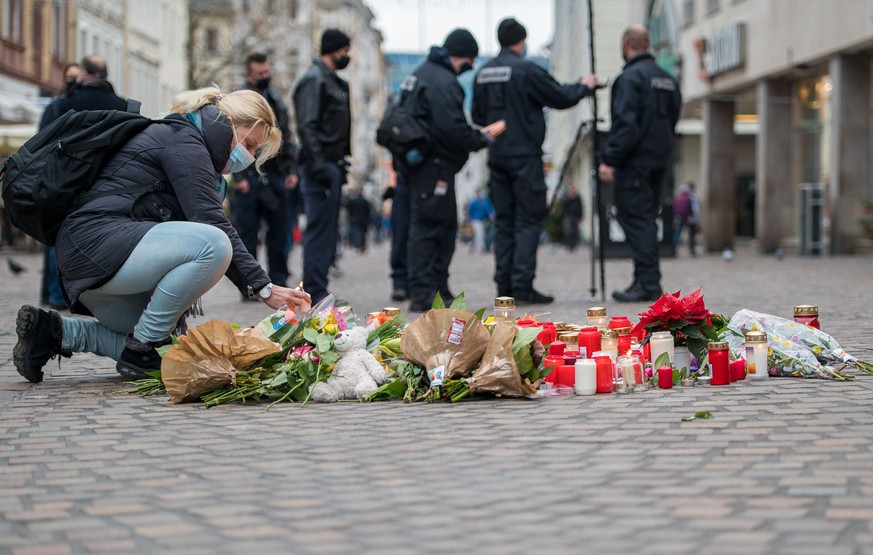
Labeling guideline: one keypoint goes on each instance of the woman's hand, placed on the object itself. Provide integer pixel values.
(285, 297)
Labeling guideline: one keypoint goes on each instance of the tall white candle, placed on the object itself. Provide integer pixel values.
(586, 377)
(661, 342)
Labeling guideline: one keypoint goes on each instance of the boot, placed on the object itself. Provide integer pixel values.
(531, 296)
(638, 293)
(138, 358)
(39, 340)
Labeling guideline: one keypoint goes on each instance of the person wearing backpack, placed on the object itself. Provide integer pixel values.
(436, 98)
(138, 262)
(86, 87)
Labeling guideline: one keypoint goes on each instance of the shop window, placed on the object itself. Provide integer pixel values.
(211, 40)
(292, 9)
(59, 31)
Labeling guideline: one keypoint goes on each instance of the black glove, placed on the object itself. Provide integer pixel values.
(389, 193)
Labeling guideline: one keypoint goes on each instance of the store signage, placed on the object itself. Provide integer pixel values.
(721, 51)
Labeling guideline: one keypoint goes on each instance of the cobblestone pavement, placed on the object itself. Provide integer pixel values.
(784, 467)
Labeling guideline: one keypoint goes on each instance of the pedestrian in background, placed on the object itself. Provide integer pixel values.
(686, 213)
(358, 212)
(571, 216)
(399, 258)
(480, 212)
(86, 87)
(321, 102)
(513, 88)
(645, 108)
(263, 197)
(436, 98)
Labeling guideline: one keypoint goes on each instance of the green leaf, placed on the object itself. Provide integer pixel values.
(438, 302)
(323, 343)
(662, 360)
(392, 390)
(676, 376)
(163, 350)
(156, 374)
(703, 415)
(692, 332)
(310, 335)
(460, 302)
(525, 336)
(330, 357)
(480, 313)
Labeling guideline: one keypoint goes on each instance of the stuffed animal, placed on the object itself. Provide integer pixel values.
(356, 373)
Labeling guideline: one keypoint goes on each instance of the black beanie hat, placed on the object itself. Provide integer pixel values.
(461, 42)
(510, 32)
(333, 40)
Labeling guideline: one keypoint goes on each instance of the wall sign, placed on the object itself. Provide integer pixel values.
(721, 51)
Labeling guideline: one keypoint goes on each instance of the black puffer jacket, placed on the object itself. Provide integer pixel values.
(436, 98)
(645, 108)
(96, 239)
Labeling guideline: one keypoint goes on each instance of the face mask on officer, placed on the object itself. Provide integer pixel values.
(524, 51)
(343, 62)
(263, 83)
(465, 67)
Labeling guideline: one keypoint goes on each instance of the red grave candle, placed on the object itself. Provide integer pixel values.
(567, 375)
(548, 335)
(604, 374)
(589, 342)
(617, 322)
(557, 348)
(738, 370)
(665, 377)
(719, 366)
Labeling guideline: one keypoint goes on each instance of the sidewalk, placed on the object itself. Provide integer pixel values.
(786, 466)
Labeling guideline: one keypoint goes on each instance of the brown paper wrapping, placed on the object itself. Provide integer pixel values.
(424, 342)
(498, 373)
(210, 356)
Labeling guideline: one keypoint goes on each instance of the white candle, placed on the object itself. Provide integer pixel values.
(661, 342)
(681, 358)
(586, 377)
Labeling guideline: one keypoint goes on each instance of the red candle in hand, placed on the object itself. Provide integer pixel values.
(604, 374)
(665, 377)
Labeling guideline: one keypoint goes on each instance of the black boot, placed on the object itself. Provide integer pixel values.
(39, 340)
(138, 358)
(638, 293)
(531, 296)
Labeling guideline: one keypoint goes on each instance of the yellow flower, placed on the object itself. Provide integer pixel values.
(816, 349)
(330, 328)
(329, 369)
(489, 320)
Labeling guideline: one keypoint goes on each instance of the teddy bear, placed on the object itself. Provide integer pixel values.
(356, 373)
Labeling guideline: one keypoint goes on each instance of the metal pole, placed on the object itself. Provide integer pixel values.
(596, 196)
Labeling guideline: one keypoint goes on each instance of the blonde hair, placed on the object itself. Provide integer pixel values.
(243, 108)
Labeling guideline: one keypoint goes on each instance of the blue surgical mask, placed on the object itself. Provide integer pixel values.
(240, 159)
(524, 51)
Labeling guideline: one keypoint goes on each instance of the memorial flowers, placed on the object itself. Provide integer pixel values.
(686, 318)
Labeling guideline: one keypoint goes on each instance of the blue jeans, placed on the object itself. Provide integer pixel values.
(171, 267)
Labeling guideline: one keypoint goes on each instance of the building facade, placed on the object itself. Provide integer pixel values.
(801, 73)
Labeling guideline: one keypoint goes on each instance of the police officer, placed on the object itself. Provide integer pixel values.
(645, 108)
(265, 197)
(515, 89)
(435, 97)
(321, 100)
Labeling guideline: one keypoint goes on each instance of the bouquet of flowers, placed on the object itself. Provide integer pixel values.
(687, 318)
(794, 349)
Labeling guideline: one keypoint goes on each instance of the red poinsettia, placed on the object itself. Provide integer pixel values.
(685, 317)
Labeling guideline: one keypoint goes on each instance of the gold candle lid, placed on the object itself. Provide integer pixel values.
(569, 337)
(717, 345)
(756, 337)
(597, 311)
(504, 302)
(622, 331)
(372, 315)
(391, 311)
(608, 334)
(806, 310)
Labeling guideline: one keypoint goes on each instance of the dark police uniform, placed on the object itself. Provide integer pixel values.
(515, 89)
(645, 108)
(436, 98)
(321, 100)
(267, 198)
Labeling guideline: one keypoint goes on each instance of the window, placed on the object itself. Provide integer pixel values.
(292, 9)
(711, 6)
(59, 31)
(36, 11)
(688, 12)
(11, 20)
(211, 40)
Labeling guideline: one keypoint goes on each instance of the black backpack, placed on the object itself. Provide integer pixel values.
(46, 179)
(401, 133)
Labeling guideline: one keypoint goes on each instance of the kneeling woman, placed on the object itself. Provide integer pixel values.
(138, 262)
